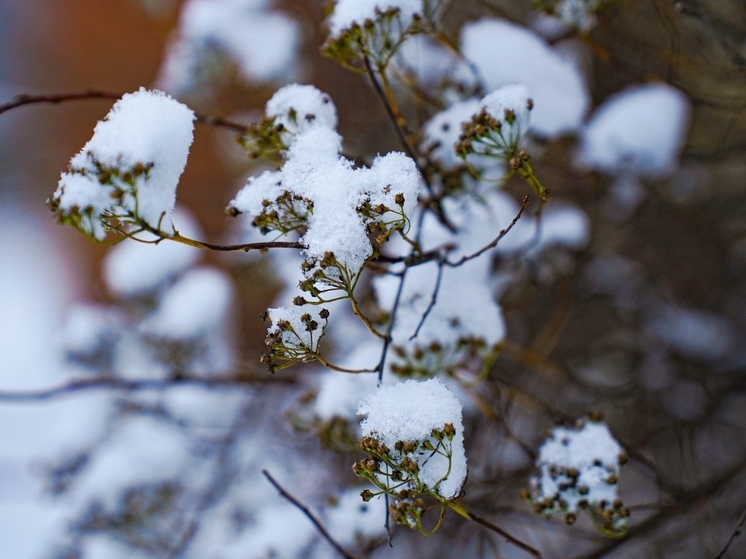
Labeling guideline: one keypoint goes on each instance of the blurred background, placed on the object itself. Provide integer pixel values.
(644, 324)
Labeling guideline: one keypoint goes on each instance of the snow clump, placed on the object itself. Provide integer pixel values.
(637, 132)
(505, 53)
(579, 469)
(350, 13)
(413, 412)
(129, 170)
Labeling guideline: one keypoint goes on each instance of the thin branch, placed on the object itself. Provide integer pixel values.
(26, 99)
(486, 524)
(735, 533)
(312, 517)
(113, 383)
(246, 247)
(397, 119)
(433, 300)
(496, 240)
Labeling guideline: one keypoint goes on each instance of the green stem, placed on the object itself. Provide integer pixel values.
(527, 173)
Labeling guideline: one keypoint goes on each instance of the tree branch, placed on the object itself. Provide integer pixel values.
(496, 240)
(312, 517)
(113, 383)
(54, 99)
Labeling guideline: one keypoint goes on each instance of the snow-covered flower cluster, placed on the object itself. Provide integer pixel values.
(128, 172)
(375, 29)
(414, 436)
(579, 470)
(319, 194)
(399, 263)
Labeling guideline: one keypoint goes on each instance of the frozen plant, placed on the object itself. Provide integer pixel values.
(579, 470)
(499, 130)
(128, 172)
(375, 29)
(414, 436)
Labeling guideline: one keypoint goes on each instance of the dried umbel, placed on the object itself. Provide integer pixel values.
(414, 441)
(499, 130)
(375, 30)
(579, 470)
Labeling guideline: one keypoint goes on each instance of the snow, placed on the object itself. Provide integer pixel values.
(691, 332)
(348, 13)
(350, 519)
(197, 304)
(475, 313)
(593, 452)
(443, 130)
(295, 334)
(263, 44)
(409, 411)
(510, 106)
(506, 53)
(340, 394)
(638, 132)
(280, 530)
(434, 65)
(315, 171)
(132, 268)
(143, 128)
(298, 107)
(139, 451)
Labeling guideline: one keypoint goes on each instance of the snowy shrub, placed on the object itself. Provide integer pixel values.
(392, 280)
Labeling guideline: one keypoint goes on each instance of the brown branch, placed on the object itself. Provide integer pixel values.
(246, 247)
(433, 300)
(54, 99)
(113, 383)
(494, 528)
(493, 244)
(312, 517)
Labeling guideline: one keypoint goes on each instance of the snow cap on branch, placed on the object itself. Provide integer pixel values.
(297, 107)
(131, 167)
(410, 411)
(348, 13)
(579, 468)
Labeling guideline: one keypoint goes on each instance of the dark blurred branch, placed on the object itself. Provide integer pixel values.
(54, 99)
(735, 533)
(112, 383)
(312, 517)
(494, 242)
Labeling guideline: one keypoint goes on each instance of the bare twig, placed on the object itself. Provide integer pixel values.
(27, 99)
(494, 242)
(735, 533)
(433, 300)
(113, 383)
(494, 528)
(312, 517)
